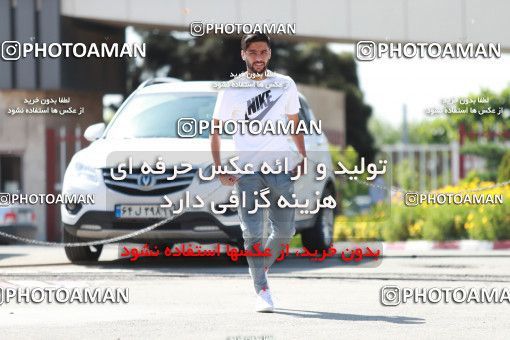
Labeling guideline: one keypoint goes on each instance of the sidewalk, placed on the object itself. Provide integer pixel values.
(463, 245)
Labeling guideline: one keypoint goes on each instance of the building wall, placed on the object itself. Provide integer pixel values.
(328, 106)
(340, 20)
(28, 21)
(93, 74)
(25, 135)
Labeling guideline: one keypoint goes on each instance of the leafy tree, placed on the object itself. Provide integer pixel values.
(475, 105)
(383, 132)
(437, 131)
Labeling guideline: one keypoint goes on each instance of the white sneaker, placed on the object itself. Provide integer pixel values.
(264, 302)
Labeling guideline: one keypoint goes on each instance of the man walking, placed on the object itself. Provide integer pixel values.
(266, 97)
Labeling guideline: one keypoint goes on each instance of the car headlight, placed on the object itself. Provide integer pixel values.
(82, 172)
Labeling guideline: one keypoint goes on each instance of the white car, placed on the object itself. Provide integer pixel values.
(145, 128)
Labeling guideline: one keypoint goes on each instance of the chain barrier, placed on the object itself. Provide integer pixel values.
(162, 222)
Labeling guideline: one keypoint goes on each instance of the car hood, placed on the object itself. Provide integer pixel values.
(104, 153)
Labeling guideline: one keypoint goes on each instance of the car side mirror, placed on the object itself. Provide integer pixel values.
(94, 131)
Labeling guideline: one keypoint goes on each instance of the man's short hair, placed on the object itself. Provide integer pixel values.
(254, 37)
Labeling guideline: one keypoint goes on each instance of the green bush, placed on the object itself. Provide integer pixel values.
(345, 188)
(396, 229)
(432, 222)
(482, 176)
(440, 225)
(504, 168)
(491, 152)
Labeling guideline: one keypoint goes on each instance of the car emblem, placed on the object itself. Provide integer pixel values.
(145, 181)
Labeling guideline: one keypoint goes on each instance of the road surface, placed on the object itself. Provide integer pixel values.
(212, 298)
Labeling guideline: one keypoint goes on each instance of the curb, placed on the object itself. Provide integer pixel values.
(420, 245)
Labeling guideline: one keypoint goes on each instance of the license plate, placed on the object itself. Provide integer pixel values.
(141, 211)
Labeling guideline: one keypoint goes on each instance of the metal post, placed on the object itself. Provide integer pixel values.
(400, 159)
(455, 161)
(434, 168)
(410, 155)
(423, 170)
(62, 162)
(444, 166)
(77, 139)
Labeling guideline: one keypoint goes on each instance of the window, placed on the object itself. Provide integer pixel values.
(156, 115)
(10, 173)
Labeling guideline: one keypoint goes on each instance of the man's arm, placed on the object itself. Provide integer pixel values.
(216, 144)
(298, 138)
(215, 150)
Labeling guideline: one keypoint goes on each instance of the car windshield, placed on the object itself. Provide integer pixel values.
(156, 115)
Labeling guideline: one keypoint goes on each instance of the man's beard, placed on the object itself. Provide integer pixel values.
(251, 69)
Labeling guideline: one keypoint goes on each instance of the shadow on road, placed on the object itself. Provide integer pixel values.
(4, 256)
(348, 317)
(194, 265)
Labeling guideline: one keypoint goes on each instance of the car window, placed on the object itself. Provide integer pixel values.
(157, 115)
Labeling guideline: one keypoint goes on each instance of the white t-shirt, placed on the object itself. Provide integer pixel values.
(270, 99)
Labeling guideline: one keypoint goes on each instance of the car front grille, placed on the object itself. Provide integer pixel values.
(138, 184)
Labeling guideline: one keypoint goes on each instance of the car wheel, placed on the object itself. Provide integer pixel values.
(80, 254)
(320, 236)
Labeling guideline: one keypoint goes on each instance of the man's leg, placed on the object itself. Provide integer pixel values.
(252, 226)
(282, 219)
